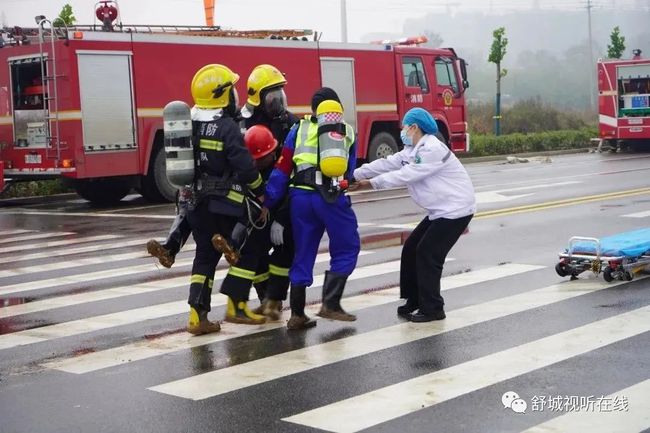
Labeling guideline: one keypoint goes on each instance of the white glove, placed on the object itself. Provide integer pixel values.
(277, 233)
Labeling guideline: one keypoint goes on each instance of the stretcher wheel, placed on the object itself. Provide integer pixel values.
(607, 274)
(560, 268)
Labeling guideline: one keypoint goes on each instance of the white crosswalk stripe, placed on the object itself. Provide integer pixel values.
(90, 276)
(112, 293)
(45, 283)
(350, 413)
(98, 260)
(106, 321)
(50, 244)
(635, 419)
(148, 349)
(225, 380)
(31, 237)
(14, 232)
(643, 214)
(17, 257)
(366, 410)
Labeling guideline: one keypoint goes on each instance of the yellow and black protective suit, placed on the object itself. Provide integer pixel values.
(224, 173)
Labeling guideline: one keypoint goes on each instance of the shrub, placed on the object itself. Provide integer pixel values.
(487, 144)
(35, 188)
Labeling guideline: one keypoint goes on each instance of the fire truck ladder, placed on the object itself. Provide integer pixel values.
(49, 83)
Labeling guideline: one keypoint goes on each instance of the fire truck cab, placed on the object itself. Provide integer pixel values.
(624, 102)
(85, 103)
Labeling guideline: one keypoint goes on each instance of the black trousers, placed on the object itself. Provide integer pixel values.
(204, 225)
(280, 262)
(423, 257)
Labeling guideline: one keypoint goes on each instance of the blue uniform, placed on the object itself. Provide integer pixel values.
(311, 216)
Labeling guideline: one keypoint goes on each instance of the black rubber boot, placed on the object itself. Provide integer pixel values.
(333, 287)
(299, 319)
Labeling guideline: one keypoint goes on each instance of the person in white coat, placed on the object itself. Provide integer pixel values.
(438, 182)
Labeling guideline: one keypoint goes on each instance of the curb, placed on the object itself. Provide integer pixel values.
(384, 240)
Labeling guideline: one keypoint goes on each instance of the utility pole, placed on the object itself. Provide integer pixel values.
(344, 21)
(592, 86)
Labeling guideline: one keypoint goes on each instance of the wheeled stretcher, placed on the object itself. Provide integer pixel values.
(618, 257)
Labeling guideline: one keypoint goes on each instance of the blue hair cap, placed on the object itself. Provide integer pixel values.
(422, 118)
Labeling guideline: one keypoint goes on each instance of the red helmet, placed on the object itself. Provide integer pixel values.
(260, 141)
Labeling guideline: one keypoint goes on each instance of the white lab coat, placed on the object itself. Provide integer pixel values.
(435, 178)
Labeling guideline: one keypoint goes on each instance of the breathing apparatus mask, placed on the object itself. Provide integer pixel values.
(274, 102)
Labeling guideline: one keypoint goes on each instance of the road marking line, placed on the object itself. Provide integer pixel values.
(105, 321)
(98, 260)
(560, 203)
(151, 348)
(14, 232)
(56, 243)
(633, 420)
(367, 410)
(115, 292)
(262, 370)
(87, 277)
(35, 236)
(70, 251)
(638, 215)
(89, 214)
(94, 276)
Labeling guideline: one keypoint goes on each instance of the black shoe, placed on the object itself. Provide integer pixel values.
(420, 317)
(406, 309)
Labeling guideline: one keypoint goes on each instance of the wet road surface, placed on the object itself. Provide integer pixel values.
(91, 329)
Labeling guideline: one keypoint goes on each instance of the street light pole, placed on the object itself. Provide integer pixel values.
(592, 85)
(344, 21)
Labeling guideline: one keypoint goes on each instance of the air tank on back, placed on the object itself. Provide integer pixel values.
(177, 121)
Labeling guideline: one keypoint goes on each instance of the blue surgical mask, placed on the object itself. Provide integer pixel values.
(406, 139)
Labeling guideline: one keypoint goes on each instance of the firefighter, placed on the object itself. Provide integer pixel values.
(252, 263)
(266, 106)
(224, 173)
(317, 204)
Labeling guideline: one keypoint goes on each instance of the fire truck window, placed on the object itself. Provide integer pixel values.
(413, 71)
(445, 74)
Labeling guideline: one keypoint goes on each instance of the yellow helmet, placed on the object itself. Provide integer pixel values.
(263, 77)
(211, 86)
(329, 106)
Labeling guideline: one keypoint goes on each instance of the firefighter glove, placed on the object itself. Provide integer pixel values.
(277, 233)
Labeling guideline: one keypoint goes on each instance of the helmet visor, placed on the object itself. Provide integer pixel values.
(275, 102)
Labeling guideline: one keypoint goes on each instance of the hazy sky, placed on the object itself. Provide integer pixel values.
(364, 16)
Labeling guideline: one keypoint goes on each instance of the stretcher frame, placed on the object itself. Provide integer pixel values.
(621, 268)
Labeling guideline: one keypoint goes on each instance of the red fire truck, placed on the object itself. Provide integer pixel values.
(624, 101)
(86, 103)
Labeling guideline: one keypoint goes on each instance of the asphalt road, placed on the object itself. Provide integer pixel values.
(92, 340)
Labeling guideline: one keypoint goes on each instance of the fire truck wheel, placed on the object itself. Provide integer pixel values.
(102, 192)
(155, 186)
(382, 145)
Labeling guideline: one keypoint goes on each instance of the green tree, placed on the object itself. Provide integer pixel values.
(616, 49)
(66, 17)
(497, 53)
